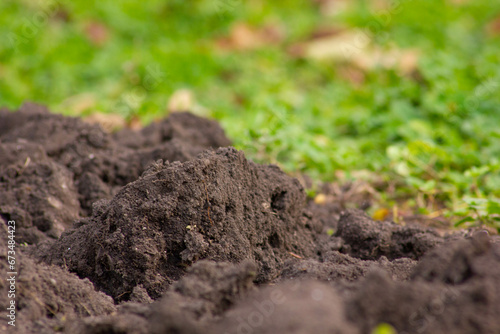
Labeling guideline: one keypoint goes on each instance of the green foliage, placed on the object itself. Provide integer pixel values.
(434, 132)
(480, 211)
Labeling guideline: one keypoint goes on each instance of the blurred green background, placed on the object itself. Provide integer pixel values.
(403, 93)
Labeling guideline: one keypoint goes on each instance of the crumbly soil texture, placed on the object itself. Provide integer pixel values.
(171, 230)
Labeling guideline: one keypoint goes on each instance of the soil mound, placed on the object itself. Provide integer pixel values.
(53, 168)
(220, 207)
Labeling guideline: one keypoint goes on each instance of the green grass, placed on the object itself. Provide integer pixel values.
(434, 133)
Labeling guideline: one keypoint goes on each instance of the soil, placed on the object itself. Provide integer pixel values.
(171, 230)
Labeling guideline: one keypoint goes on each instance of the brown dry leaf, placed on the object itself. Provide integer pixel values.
(109, 122)
(459, 2)
(336, 46)
(245, 37)
(387, 9)
(181, 100)
(352, 74)
(348, 193)
(185, 100)
(77, 104)
(326, 31)
(62, 14)
(379, 5)
(493, 28)
(405, 61)
(332, 7)
(354, 47)
(97, 33)
(134, 123)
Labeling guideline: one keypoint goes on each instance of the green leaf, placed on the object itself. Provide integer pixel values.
(477, 171)
(393, 152)
(475, 202)
(465, 220)
(493, 207)
(428, 186)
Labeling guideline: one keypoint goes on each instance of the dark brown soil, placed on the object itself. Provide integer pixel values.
(170, 230)
(65, 153)
(47, 295)
(219, 206)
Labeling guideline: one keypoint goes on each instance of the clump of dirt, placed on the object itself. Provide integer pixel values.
(454, 289)
(69, 141)
(294, 307)
(204, 294)
(368, 239)
(45, 156)
(46, 296)
(340, 267)
(182, 126)
(38, 193)
(219, 206)
(187, 237)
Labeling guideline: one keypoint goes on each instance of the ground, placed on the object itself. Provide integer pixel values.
(171, 229)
